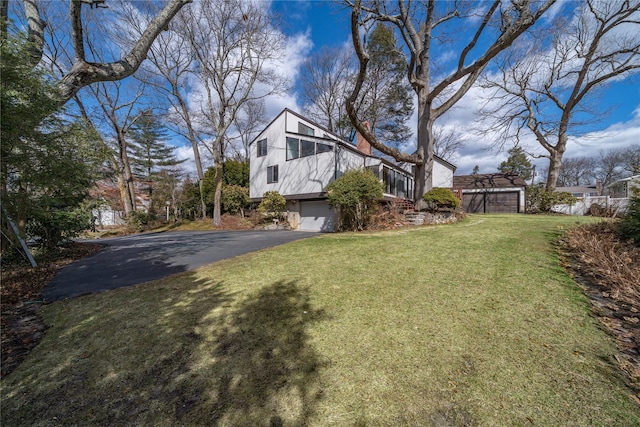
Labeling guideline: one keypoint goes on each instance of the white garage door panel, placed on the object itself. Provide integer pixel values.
(316, 216)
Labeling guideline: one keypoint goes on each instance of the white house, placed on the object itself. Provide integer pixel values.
(622, 187)
(299, 158)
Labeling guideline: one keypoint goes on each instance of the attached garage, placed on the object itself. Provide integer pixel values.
(491, 193)
(316, 215)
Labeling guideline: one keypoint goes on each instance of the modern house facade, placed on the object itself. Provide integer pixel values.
(299, 158)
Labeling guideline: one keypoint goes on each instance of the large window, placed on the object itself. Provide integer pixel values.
(297, 148)
(272, 174)
(305, 130)
(262, 147)
(293, 148)
(307, 148)
(323, 148)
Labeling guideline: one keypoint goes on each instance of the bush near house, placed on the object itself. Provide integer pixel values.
(539, 200)
(356, 194)
(273, 205)
(235, 199)
(441, 199)
(629, 227)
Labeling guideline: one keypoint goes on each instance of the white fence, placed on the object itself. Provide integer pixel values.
(613, 206)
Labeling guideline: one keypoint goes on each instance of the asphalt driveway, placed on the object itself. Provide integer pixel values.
(135, 259)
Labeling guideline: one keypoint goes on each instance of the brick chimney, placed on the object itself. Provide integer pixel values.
(361, 143)
(599, 188)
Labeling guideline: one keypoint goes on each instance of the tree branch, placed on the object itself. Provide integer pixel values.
(84, 73)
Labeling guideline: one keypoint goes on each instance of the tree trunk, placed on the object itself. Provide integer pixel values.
(218, 181)
(129, 193)
(555, 161)
(424, 172)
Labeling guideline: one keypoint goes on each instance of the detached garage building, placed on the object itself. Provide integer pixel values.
(491, 193)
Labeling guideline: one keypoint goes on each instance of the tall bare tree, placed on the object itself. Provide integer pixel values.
(447, 143)
(170, 70)
(234, 43)
(548, 88)
(325, 85)
(249, 121)
(492, 27)
(577, 171)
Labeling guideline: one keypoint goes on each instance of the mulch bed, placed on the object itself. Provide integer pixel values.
(608, 270)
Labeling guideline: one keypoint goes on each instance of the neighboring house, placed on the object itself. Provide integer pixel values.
(582, 191)
(110, 211)
(622, 187)
(491, 193)
(299, 158)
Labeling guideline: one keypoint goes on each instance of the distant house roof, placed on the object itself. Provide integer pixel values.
(490, 180)
(577, 189)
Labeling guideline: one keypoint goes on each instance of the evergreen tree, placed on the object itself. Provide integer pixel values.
(388, 102)
(518, 163)
(149, 152)
(149, 149)
(47, 165)
(476, 170)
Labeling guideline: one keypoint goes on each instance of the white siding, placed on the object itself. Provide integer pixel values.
(442, 175)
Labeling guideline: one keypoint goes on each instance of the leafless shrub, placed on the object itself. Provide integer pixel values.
(610, 262)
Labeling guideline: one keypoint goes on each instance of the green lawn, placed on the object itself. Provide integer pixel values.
(462, 325)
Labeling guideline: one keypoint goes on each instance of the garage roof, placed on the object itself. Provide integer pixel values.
(491, 180)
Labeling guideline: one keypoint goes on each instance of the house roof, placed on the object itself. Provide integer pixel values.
(577, 189)
(491, 180)
(338, 139)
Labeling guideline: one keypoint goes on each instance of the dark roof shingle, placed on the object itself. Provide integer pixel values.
(491, 180)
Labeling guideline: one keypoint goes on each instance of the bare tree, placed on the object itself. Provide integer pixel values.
(248, 123)
(84, 71)
(170, 70)
(109, 108)
(616, 163)
(422, 25)
(447, 143)
(550, 88)
(577, 171)
(325, 85)
(234, 43)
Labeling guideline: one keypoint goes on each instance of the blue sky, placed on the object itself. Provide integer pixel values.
(324, 23)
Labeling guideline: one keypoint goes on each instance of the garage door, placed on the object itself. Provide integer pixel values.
(503, 202)
(316, 216)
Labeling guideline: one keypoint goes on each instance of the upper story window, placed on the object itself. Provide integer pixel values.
(297, 148)
(323, 148)
(272, 174)
(262, 147)
(305, 130)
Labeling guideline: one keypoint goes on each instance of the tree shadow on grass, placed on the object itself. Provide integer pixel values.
(269, 374)
(183, 351)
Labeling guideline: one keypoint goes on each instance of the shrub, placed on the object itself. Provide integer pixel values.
(53, 227)
(235, 199)
(273, 205)
(629, 227)
(139, 220)
(441, 199)
(356, 194)
(539, 200)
